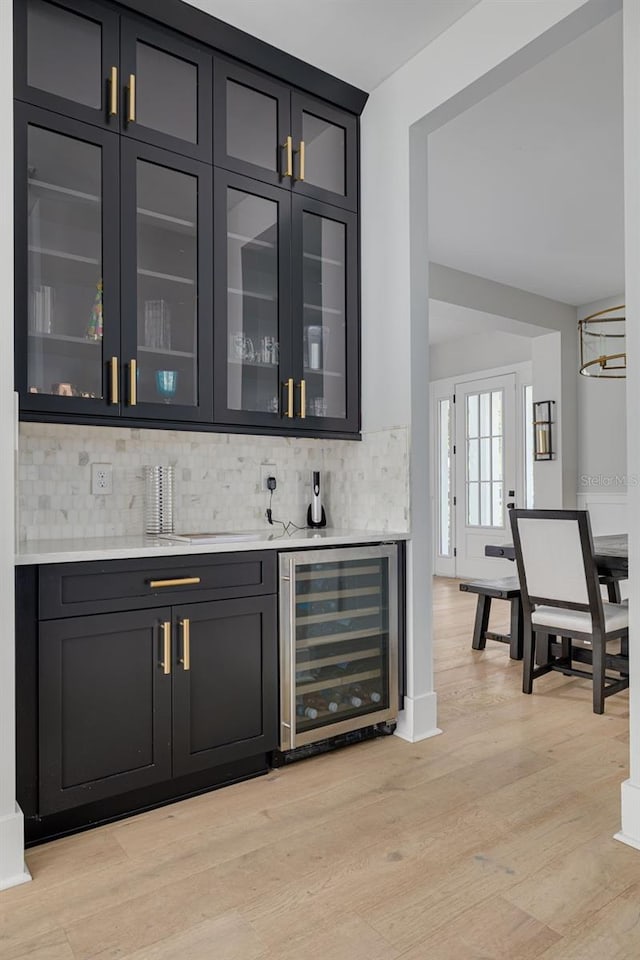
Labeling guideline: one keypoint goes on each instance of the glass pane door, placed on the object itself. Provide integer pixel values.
(167, 230)
(71, 277)
(326, 147)
(67, 58)
(251, 118)
(249, 253)
(343, 640)
(167, 316)
(167, 89)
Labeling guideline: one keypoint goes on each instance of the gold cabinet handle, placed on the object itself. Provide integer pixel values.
(288, 146)
(186, 644)
(166, 644)
(114, 379)
(176, 582)
(290, 410)
(303, 399)
(301, 177)
(113, 92)
(131, 116)
(133, 383)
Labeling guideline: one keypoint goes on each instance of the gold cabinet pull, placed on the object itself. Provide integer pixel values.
(289, 386)
(114, 379)
(131, 116)
(186, 644)
(176, 582)
(133, 384)
(303, 399)
(301, 177)
(166, 643)
(288, 146)
(113, 92)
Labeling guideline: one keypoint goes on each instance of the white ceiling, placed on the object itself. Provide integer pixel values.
(451, 321)
(526, 188)
(360, 41)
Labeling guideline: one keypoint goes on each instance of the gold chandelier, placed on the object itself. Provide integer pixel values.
(602, 344)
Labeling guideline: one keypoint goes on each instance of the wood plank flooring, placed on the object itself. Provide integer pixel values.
(490, 842)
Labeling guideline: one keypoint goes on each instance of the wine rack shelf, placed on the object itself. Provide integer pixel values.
(303, 666)
(332, 682)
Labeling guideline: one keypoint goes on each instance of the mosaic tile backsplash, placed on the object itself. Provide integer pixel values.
(217, 480)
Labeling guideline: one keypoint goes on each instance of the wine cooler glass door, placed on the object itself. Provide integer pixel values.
(339, 655)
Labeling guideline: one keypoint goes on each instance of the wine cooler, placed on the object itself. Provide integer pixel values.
(338, 642)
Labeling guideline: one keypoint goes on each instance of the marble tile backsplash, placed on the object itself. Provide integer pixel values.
(217, 479)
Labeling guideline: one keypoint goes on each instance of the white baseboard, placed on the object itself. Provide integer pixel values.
(418, 720)
(13, 869)
(629, 832)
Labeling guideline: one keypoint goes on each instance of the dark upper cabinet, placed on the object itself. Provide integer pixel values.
(104, 706)
(251, 253)
(67, 270)
(286, 350)
(166, 285)
(251, 124)
(186, 233)
(263, 129)
(325, 145)
(326, 360)
(83, 60)
(67, 58)
(225, 704)
(166, 89)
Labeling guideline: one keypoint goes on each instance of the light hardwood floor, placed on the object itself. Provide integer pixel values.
(492, 841)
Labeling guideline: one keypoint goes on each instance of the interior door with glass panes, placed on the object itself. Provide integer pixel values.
(485, 468)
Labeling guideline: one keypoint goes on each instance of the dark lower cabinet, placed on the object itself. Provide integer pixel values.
(121, 711)
(105, 707)
(225, 682)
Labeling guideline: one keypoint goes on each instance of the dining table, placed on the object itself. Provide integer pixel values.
(611, 553)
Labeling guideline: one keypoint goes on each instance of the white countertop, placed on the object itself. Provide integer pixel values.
(126, 548)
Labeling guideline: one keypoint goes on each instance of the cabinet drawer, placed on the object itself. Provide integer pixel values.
(77, 589)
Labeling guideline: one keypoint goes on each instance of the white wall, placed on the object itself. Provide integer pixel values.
(630, 830)
(484, 49)
(12, 868)
(482, 351)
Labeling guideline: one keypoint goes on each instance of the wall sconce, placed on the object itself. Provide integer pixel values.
(542, 432)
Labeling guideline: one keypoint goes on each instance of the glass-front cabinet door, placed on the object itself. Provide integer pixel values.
(325, 145)
(252, 129)
(338, 641)
(67, 294)
(166, 285)
(252, 347)
(166, 89)
(325, 308)
(66, 55)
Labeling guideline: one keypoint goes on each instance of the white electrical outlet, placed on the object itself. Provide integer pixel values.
(101, 478)
(266, 470)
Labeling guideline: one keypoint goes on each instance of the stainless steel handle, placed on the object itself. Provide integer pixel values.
(292, 650)
(165, 663)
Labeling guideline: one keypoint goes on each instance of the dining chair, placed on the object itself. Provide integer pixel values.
(561, 598)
